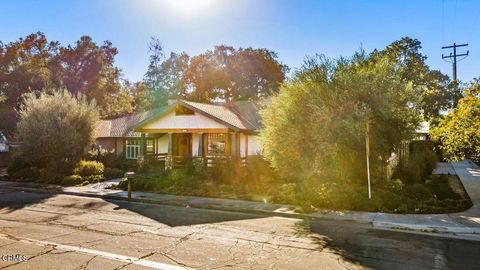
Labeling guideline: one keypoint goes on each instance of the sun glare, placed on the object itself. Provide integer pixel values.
(189, 6)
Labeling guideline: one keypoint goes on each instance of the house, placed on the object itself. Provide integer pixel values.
(184, 129)
(3, 143)
(5, 151)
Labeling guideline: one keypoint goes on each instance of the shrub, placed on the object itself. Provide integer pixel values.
(55, 128)
(50, 177)
(417, 192)
(72, 180)
(26, 174)
(111, 173)
(286, 193)
(395, 185)
(94, 178)
(88, 168)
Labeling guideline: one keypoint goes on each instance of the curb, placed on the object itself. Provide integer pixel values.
(376, 225)
(426, 228)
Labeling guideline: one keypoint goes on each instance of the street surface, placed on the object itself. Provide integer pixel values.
(44, 231)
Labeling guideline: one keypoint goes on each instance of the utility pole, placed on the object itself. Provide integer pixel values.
(454, 56)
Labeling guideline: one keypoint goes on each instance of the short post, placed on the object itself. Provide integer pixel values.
(129, 176)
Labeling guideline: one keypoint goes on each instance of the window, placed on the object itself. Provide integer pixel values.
(132, 148)
(217, 144)
(180, 110)
(150, 146)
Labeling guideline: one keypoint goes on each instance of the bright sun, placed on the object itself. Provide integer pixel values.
(189, 6)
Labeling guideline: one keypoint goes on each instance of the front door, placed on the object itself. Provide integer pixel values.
(182, 144)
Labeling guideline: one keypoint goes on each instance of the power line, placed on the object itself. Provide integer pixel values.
(454, 56)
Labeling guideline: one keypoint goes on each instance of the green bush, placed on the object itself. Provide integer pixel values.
(88, 168)
(395, 185)
(94, 178)
(55, 127)
(417, 192)
(419, 164)
(50, 177)
(26, 174)
(72, 180)
(111, 173)
(286, 193)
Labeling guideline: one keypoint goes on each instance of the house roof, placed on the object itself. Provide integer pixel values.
(238, 116)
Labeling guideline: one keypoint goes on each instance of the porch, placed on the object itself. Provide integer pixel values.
(205, 148)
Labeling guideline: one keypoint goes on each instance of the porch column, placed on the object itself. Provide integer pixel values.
(141, 159)
(169, 157)
(199, 160)
(200, 145)
(234, 146)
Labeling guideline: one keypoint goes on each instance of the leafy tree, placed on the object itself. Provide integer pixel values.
(230, 74)
(315, 127)
(88, 69)
(164, 77)
(24, 67)
(33, 63)
(435, 91)
(459, 132)
(55, 129)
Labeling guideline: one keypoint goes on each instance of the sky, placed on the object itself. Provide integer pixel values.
(292, 28)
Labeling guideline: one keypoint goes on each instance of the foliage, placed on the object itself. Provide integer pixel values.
(72, 180)
(325, 109)
(230, 74)
(164, 77)
(459, 132)
(435, 91)
(111, 173)
(87, 168)
(34, 63)
(225, 73)
(419, 164)
(112, 160)
(54, 130)
(395, 185)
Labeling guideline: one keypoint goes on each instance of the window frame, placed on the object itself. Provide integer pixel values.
(132, 148)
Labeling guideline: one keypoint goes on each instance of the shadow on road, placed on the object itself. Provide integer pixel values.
(12, 201)
(360, 245)
(181, 216)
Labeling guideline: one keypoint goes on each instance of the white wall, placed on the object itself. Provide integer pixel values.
(254, 146)
(162, 144)
(195, 141)
(172, 121)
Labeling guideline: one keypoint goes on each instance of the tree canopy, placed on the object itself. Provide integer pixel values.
(459, 132)
(225, 74)
(315, 127)
(435, 91)
(33, 63)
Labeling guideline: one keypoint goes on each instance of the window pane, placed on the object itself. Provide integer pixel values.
(216, 144)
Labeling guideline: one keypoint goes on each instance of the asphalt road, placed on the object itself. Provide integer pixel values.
(41, 231)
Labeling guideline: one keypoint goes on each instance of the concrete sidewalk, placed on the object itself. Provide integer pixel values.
(467, 222)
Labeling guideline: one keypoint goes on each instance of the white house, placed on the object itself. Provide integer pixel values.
(184, 129)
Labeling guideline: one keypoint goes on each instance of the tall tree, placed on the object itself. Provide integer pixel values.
(88, 68)
(230, 74)
(459, 132)
(25, 66)
(164, 77)
(435, 91)
(34, 63)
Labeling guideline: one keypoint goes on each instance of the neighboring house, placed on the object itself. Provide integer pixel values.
(3, 143)
(5, 154)
(184, 129)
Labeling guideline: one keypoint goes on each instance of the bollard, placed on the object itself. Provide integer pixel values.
(129, 176)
